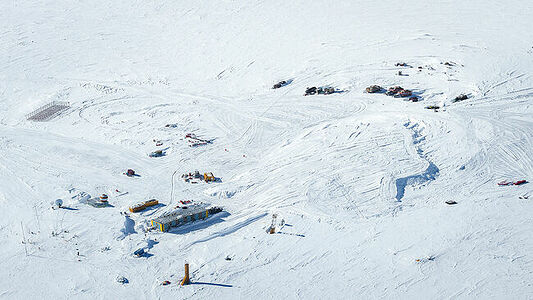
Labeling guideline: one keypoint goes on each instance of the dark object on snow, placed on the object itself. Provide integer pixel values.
(157, 153)
(325, 90)
(310, 91)
(58, 203)
(227, 258)
(460, 98)
(122, 279)
(449, 63)
(195, 141)
(450, 202)
(519, 182)
(166, 282)
(280, 84)
(139, 252)
(404, 93)
(425, 259)
(413, 99)
(435, 107)
(321, 91)
(402, 74)
(394, 90)
(523, 197)
(374, 89)
(130, 173)
(402, 64)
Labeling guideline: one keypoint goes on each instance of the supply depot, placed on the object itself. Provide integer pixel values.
(185, 213)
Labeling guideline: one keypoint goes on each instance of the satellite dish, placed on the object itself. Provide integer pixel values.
(59, 202)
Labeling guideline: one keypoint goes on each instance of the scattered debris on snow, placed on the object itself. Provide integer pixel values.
(195, 141)
(425, 259)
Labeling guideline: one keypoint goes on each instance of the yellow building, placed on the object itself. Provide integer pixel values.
(143, 205)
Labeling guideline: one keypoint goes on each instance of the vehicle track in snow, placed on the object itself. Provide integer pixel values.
(508, 154)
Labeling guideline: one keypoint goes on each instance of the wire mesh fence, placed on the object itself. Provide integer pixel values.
(48, 111)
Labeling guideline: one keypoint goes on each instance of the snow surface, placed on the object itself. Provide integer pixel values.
(358, 179)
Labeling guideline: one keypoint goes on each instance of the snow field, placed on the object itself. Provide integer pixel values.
(359, 179)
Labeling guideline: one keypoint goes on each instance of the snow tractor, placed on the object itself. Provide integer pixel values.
(208, 177)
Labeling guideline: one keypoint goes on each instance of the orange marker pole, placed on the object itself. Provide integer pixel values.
(186, 279)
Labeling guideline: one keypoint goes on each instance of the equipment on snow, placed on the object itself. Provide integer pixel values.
(103, 198)
(404, 93)
(209, 177)
(392, 91)
(280, 84)
(122, 279)
(272, 228)
(310, 91)
(143, 205)
(325, 90)
(157, 153)
(139, 252)
(402, 64)
(506, 182)
(320, 90)
(195, 141)
(59, 203)
(460, 98)
(374, 89)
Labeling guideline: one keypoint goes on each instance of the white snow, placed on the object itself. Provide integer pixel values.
(358, 180)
